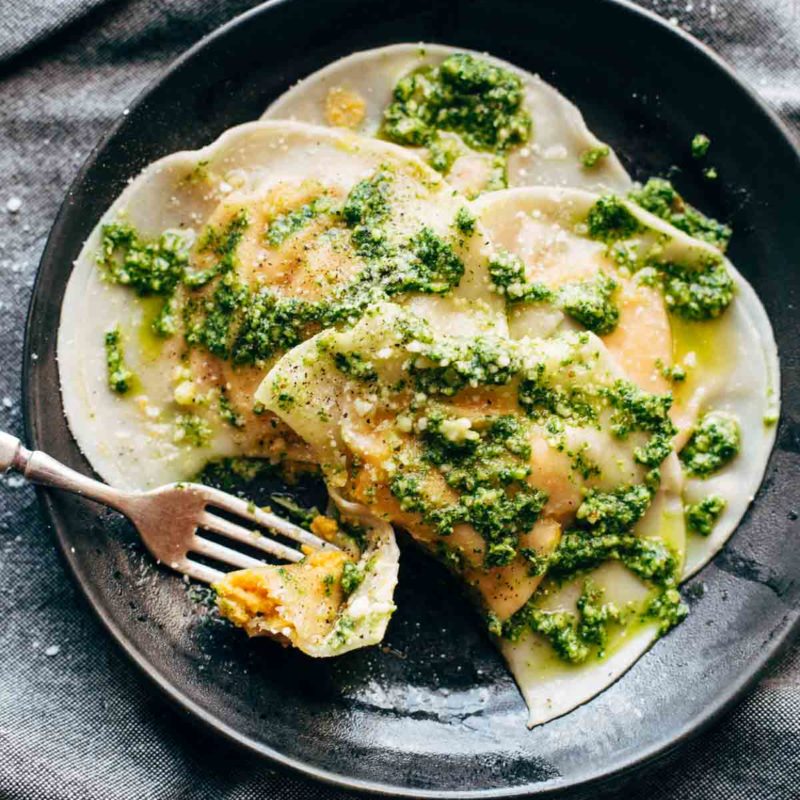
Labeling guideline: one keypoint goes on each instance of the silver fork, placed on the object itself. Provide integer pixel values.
(169, 517)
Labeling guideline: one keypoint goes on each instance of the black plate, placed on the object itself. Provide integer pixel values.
(436, 712)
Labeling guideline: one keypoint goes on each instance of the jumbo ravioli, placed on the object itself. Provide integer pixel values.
(562, 391)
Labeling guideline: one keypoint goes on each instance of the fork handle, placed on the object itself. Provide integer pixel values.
(40, 468)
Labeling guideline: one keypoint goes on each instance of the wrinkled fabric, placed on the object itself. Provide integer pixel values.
(77, 721)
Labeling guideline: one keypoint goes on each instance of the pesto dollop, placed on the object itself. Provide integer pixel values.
(610, 220)
(696, 294)
(481, 102)
(594, 155)
(701, 517)
(591, 303)
(714, 442)
(477, 104)
(659, 197)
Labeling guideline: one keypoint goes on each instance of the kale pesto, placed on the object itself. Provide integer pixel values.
(588, 302)
(591, 303)
(487, 464)
(119, 377)
(442, 153)
(696, 294)
(616, 511)
(659, 197)
(222, 243)
(594, 155)
(192, 430)
(667, 609)
(149, 268)
(354, 365)
(693, 292)
(424, 263)
(701, 517)
(286, 225)
(465, 221)
(571, 635)
(507, 276)
(714, 442)
(633, 410)
(352, 577)
(609, 220)
(479, 101)
(575, 636)
(365, 211)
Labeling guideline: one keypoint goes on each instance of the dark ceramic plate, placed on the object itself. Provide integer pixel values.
(435, 713)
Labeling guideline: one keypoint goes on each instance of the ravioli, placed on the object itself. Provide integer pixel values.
(561, 150)
(562, 391)
(213, 263)
(326, 605)
(489, 451)
(726, 362)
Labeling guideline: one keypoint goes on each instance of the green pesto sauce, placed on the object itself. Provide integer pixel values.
(715, 441)
(591, 303)
(576, 636)
(701, 517)
(442, 154)
(584, 549)
(696, 294)
(488, 469)
(693, 293)
(120, 378)
(609, 220)
(480, 102)
(659, 197)
(222, 243)
(588, 302)
(507, 276)
(149, 268)
(250, 325)
(465, 221)
(365, 211)
(354, 365)
(286, 225)
(594, 155)
(192, 430)
(615, 511)
(352, 577)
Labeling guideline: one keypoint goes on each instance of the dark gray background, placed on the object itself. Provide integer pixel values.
(76, 720)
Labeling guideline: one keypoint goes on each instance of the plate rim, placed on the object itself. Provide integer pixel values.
(627, 768)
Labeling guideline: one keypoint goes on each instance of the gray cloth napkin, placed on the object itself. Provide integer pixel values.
(77, 721)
